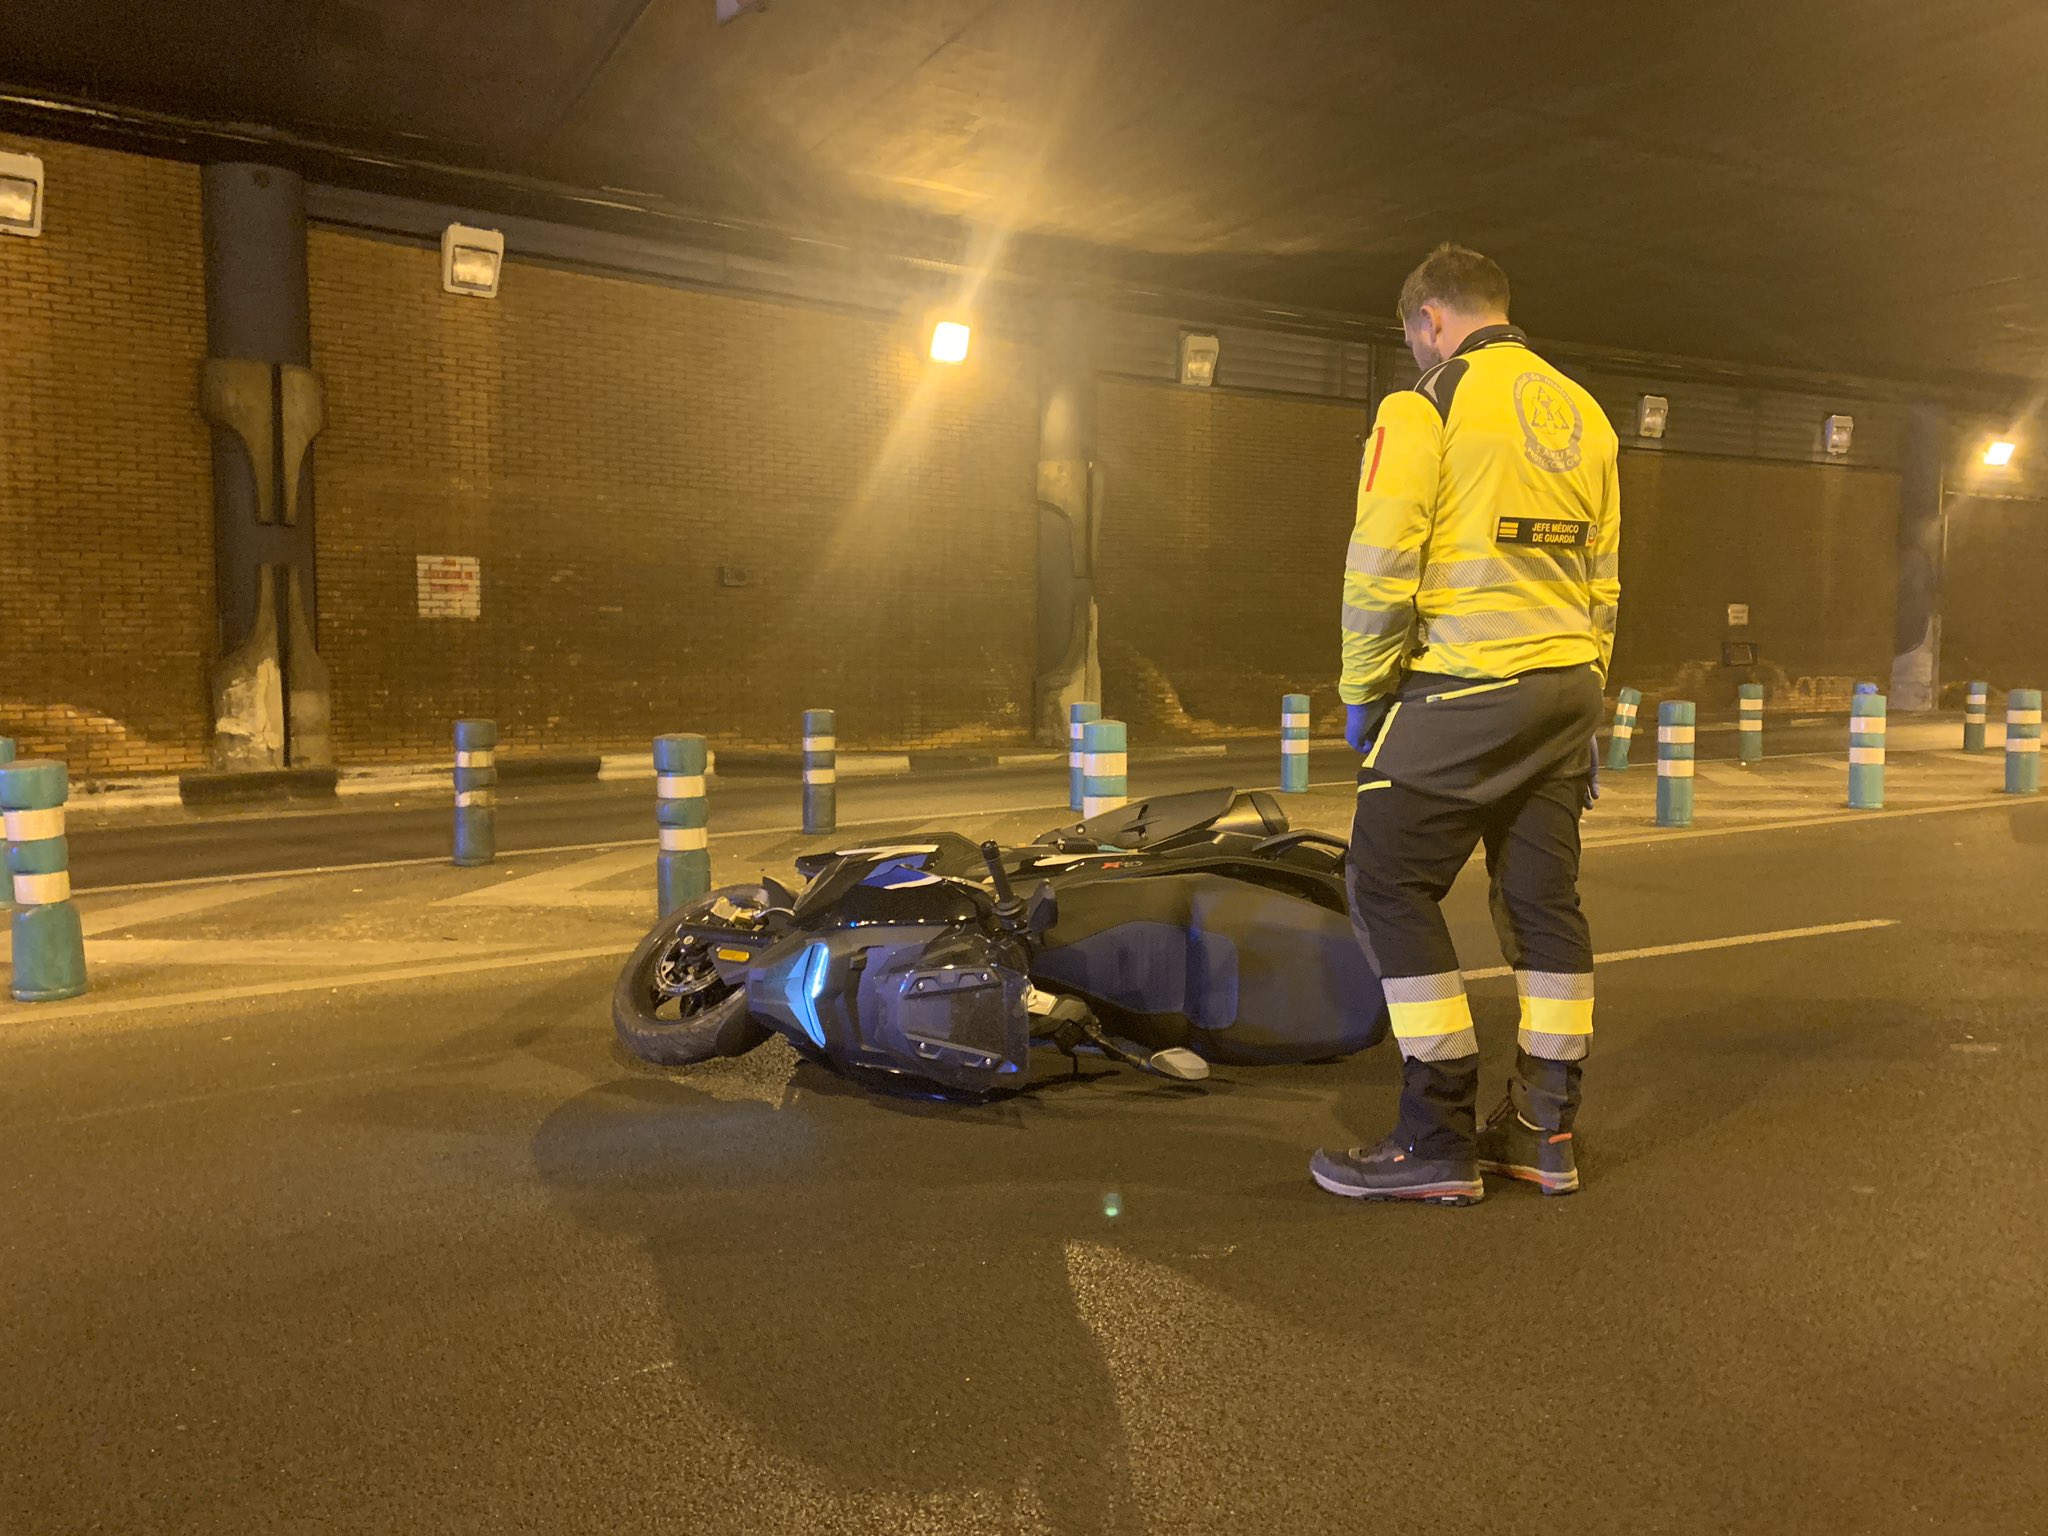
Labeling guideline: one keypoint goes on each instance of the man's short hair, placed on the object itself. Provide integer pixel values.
(1458, 278)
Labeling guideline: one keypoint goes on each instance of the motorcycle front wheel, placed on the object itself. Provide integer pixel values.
(669, 1006)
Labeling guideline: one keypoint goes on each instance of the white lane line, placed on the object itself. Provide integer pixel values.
(97, 920)
(25, 1014)
(563, 886)
(188, 881)
(1594, 839)
(444, 862)
(1596, 835)
(2010, 801)
(1611, 778)
(18, 1018)
(295, 954)
(1701, 946)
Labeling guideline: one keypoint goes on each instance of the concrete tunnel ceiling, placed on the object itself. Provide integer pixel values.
(1839, 187)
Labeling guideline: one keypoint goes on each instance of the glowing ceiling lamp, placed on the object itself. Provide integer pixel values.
(21, 195)
(1999, 454)
(1198, 355)
(949, 342)
(471, 260)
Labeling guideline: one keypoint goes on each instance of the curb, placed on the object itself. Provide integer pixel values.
(257, 787)
(548, 770)
(127, 794)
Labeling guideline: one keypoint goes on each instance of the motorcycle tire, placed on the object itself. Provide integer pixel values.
(719, 1027)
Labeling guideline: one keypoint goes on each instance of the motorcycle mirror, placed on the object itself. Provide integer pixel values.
(1183, 1066)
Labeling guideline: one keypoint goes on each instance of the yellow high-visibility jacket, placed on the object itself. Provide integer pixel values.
(1489, 525)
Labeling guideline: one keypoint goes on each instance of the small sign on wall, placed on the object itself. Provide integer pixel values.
(1738, 615)
(450, 586)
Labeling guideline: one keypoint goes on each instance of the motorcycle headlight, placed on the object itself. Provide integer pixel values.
(806, 984)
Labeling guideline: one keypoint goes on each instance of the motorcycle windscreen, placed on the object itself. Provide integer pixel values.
(1160, 819)
(1237, 972)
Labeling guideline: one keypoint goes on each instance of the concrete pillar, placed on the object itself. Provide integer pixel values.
(1923, 543)
(1069, 510)
(265, 404)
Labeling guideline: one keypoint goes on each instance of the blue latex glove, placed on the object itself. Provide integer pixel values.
(1362, 724)
(1593, 776)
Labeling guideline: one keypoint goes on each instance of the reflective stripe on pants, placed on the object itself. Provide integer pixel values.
(1409, 844)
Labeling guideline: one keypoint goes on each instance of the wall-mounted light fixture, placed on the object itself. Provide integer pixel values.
(950, 339)
(1998, 453)
(21, 195)
(1835, 433)
(1652, 413)
(471, 260)
(1198, 355)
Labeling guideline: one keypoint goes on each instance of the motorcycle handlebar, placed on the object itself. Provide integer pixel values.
(1010, 914)
(1006, 895)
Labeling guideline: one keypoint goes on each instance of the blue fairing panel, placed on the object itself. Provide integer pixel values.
(1239, 973)
(1152, 967)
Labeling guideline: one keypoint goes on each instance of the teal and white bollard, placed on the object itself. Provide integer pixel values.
(1626, 705)
(1078, 716)
(2022, 742)
(821, 771)
(1105, 767)
(1866, 752)
(1749, 724)
(49, 945)
(476, 792)
(1976, 706)
(682, 869)
(1675, 748)
(6, 757)
(1294, 744)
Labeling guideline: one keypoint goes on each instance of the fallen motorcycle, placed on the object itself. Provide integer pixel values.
(1168, 934)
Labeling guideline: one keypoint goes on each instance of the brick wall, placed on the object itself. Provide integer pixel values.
(1991, 627)
(1222, 553)
(1223, 548)
(604, 447)
(106, 522)
(1811, 549)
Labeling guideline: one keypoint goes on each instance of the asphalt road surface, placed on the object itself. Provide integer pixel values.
(434, 1256)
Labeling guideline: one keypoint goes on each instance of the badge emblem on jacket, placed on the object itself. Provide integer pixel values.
(1551, 424)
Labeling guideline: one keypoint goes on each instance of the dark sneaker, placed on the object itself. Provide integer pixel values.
(1390, 1171)
(1509, 1144)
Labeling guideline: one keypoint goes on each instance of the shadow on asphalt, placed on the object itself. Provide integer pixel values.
(873, 1290)
(878, 1286)
(901, 1303)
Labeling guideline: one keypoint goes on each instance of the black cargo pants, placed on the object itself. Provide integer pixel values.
(1459, 762)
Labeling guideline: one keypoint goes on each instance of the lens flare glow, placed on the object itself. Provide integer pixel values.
(949, 342)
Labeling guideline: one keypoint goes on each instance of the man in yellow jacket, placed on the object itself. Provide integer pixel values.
(1480, 593)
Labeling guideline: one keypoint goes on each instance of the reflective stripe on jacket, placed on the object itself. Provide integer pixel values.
(1489, 525)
